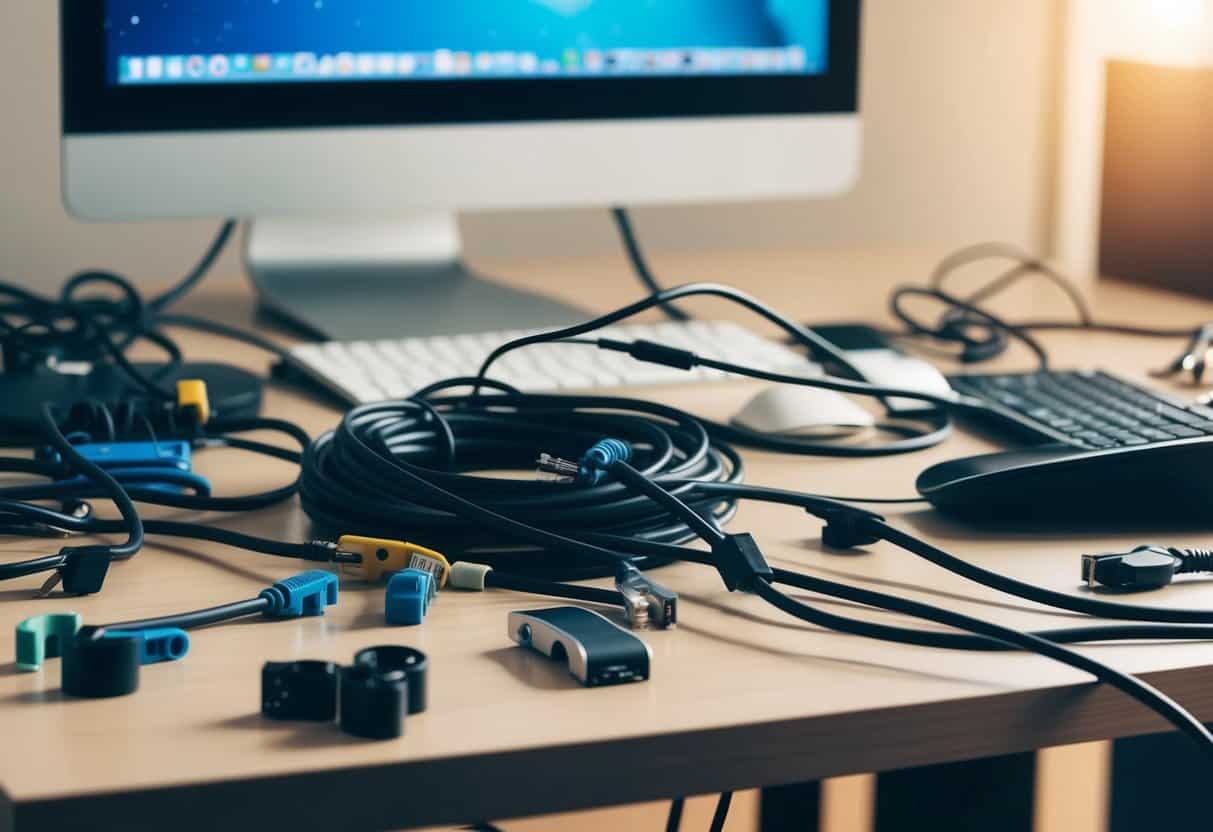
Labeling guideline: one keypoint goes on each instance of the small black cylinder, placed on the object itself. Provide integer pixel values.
(303, 690)
(393, 658)
(96, 666)
(373, 704)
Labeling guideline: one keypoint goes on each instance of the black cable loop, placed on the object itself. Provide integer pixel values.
(385, 469)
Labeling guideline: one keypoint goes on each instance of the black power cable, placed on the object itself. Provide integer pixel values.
(201, 269)
(937, 424)
(640, 263)
(198, 618)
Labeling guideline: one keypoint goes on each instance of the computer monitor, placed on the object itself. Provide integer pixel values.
(351, 131)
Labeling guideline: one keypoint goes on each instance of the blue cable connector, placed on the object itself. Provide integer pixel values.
(409, 595)
(594, 466)
(307, 593)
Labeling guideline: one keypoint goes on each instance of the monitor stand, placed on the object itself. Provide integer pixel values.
(352, 280)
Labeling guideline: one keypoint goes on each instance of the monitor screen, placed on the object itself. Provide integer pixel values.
(182, 65)
(170, 42)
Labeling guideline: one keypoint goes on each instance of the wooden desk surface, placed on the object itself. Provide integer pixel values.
(741, 695)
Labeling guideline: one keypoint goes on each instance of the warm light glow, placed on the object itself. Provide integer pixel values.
(1157, 31)
(1179, 14)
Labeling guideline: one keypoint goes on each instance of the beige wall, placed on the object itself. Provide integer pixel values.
(958, 104)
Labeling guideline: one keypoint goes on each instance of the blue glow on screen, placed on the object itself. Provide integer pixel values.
(511, 37)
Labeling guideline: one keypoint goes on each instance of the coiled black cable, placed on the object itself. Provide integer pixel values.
(417, 470)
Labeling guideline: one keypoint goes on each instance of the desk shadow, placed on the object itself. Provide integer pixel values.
(290, 733)
(28, 593)
(853, 663)
(38, 697)
(9, 669)
(534, 670)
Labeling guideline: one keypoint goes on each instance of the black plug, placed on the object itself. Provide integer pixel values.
(1146, 567)
(84, 569)
(846, 528)
(740, 562)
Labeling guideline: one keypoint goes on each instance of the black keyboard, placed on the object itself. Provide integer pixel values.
(1085, 409)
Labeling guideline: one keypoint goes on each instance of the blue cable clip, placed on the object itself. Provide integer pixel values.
(156, 645)
(408, 597)
(307, 593)
(42, 637)
(161, 465)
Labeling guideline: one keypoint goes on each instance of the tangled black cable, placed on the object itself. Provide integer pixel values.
(923, 432)
(983, 335)
(96, 317)
(70, 478)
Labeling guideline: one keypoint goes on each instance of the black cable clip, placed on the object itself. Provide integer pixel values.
(394, 659)
(383, 685)
(302, 690)
(373, 705)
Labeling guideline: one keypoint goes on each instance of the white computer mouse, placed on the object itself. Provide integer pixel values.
(794, 410)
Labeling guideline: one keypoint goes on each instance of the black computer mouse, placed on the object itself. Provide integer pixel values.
(1164, 482)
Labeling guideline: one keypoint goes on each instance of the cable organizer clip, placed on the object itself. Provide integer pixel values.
(42, 637)
(381, 556)
(408, 597)
(157, 645)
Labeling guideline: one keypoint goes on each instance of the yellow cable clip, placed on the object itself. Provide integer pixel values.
(192, 393)
(380, 557)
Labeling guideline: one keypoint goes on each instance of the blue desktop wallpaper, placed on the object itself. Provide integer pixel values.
(546, 27)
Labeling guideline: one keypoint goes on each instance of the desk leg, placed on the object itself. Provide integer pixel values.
(1158, 782)
(792, 808)
(993, 795)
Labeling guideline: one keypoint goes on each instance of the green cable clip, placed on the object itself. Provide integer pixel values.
(43, 637)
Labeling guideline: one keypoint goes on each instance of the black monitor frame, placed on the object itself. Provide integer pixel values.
(92, 105)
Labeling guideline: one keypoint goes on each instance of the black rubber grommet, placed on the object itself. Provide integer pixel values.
(98, 666)
(373, 705)
(393, 658)
(301, 690)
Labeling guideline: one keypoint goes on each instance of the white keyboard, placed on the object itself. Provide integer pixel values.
(361, 372)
